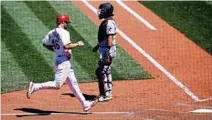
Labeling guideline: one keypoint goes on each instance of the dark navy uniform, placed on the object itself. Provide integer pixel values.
(106, 54)
(107, 29)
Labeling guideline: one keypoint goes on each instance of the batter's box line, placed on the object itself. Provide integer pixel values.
(203, 100)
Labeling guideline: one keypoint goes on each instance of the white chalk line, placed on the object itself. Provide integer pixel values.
(203, 100)
(201, 111)
(164, 110)
(153, 61)
(141, 19)
(67, 113)
(103, 113)
(90, 6)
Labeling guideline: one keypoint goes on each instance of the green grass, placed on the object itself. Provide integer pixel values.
(192, 18)
(12, 76)
(23, 57)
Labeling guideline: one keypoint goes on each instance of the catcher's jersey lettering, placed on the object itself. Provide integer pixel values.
(106, 28)
(58, 38)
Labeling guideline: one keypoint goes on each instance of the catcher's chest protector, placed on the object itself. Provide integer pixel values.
(102, 33)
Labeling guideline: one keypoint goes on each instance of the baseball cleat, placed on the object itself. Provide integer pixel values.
(108, 98)
(91, 104)
(30, 90)
(101, 99)
(104, 98)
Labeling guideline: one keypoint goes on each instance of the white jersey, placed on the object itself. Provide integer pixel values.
(58, 38)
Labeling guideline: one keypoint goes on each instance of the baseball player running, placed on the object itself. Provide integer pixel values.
(58, 41)
(107, 50)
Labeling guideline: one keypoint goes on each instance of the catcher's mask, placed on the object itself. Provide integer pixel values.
(105, 10)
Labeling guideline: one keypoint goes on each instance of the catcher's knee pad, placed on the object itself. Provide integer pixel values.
(107, 70)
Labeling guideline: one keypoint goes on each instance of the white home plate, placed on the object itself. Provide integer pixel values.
(202, 111)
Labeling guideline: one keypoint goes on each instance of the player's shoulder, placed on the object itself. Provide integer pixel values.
(62, 31)
(52, 30)
(111, 22)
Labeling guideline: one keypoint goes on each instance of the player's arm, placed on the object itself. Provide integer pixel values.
(67, 42)
(49, 47)
(110, 40)
(111, 32)
(73, 45)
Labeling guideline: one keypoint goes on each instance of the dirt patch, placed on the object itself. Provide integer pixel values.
(158, 98)
(144, 99)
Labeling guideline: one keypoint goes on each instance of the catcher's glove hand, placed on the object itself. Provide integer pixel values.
(107, 59)
(95, 48)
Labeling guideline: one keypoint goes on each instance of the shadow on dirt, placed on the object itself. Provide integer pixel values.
(38, 112)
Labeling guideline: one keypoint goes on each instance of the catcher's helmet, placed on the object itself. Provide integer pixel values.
(105, 10)
(63, 18)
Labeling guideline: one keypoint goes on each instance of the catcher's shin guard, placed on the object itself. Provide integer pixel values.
(108, 81)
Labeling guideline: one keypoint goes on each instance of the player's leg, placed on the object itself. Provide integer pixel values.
(73, 84)
(100, 73)
(107, 85)
(103, 74)
(101, 78)
(60, 76)
(112, 53)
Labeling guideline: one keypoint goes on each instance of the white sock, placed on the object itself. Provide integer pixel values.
(45, 85)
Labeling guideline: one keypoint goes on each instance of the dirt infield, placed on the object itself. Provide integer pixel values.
(159, 98)
(147, 101)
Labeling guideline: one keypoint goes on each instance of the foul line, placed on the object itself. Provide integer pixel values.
(145, 22)
(153, 61)
(67, 113)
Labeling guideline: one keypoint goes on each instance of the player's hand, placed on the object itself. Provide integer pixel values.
(95, 48)
(80, 43)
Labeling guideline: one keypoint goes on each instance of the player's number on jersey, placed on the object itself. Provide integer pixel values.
(55, 41)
